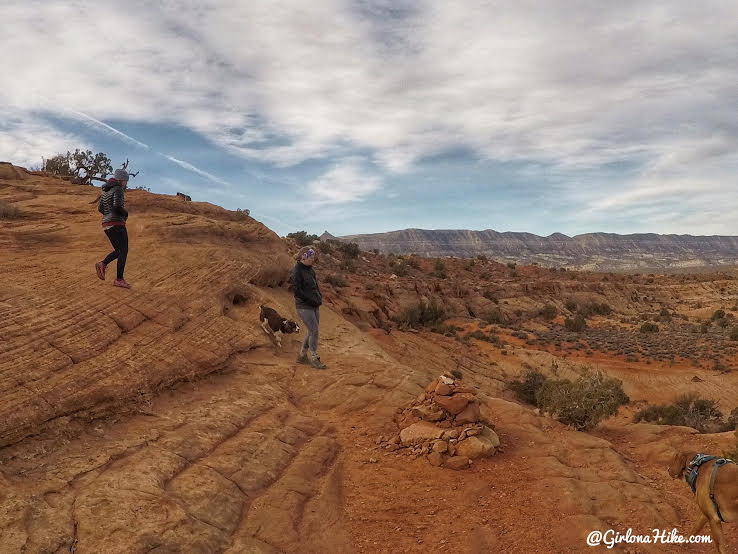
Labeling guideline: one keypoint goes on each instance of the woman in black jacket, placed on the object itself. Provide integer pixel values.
(112, 206)
(307, 301)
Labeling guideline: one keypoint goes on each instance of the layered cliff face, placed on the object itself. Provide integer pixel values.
(591, 251)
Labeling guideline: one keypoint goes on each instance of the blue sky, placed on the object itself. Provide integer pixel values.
(359, 117)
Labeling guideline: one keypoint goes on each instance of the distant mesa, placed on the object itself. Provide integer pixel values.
(591, 251)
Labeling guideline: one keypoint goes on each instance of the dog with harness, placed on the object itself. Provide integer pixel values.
(714, 482)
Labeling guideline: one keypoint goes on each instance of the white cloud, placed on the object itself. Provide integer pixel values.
(188, 166)
(343, 184)
(571, 86)
(25, 138)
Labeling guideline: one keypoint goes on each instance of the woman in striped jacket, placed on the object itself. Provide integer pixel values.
(112, 206)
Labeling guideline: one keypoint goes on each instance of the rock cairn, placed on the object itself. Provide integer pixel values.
(445, 425)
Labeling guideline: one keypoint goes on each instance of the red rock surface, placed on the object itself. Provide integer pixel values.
(162, 418)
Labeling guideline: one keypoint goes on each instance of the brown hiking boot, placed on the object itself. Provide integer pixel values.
(303, 358)
(316, 363)
(121, 283)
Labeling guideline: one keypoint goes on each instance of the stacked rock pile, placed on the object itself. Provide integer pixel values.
(444, 424)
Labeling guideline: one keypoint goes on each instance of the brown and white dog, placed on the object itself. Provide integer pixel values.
(725, 491)
(275, 325)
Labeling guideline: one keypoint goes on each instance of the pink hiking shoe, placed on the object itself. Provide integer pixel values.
(121, 283)
(100, 269)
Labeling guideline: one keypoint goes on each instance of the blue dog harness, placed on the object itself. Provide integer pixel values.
(693, 470)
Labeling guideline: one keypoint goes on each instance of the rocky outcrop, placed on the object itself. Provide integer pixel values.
(592, 251)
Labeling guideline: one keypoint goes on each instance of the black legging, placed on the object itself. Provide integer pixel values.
(119, 239)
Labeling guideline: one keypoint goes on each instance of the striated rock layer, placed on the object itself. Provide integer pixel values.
(591, 251)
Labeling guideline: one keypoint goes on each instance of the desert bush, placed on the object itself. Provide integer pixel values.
(348, 266)
(495, 316)
(446, 330)
(482, 258)
(511, 265)
(349, 249)
(733, 418)
(413, 262)
(421, 315)
(718, 314)
(689, 410)
(489, 295)
(527, 389)
(649, 327)
(734, 333)
(593, 308)
(548, 312)
(571, 305)
(8, 211)
(723, 323)
(336, 280)
(375, 250)
(704, 327)
(302, 238)
(400, 270)
(577, 325)
(481, 335)
(326, 247)
(583, 403)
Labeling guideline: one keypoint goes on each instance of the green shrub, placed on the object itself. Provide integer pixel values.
(649, 327)
(447, 330)
(336, 280)
(583, 403)
(489, 295)
(302, 238)
(593, 308)
(421, 315)
(348, 266)
(527, 389)
(400, 270)
(350, 249)
(688, 410)
(495, 316)
(481, 335)
(548, 312)
(571, 305)
(8, 211)
(577, 325)
(413, 262)
(718, 314)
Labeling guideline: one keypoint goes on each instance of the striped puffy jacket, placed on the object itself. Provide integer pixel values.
(112, 202)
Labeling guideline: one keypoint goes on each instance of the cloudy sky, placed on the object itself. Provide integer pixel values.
(359, 116)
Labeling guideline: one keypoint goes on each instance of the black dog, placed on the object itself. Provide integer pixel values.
(275, 325)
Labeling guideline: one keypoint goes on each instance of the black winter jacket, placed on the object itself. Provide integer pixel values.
(112, 202)
(305, 287)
